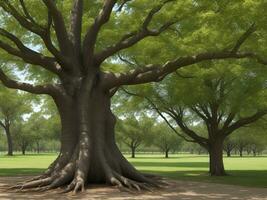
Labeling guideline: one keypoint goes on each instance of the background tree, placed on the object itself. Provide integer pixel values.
(218, 99)
(228, 145)
(23, 136)
(249, 140)
(165, 139)
(11, 110)
(70, 49)
(133, 132)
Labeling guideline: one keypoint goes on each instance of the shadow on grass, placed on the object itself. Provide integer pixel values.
(170, 164)
(20, 171)
(191, 171)
(251, 178)
(171, 157)
(27, 155)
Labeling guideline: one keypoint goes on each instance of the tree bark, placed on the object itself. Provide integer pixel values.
(89, 153)
(167, 153)
(9, 141)
(216, 158)
(133, 152)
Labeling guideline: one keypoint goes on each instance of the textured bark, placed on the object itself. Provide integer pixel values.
(88, 153)
(9, 141)
(216, 159)
(88, 149)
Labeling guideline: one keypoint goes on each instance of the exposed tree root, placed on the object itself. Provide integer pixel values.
(78, 184)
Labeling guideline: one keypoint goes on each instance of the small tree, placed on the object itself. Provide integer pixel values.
(11, 110)
(133, 132)
(228, 146)
(23, 136)
(165, 139)
(250, 139)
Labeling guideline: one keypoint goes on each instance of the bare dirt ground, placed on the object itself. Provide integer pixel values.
(177, 190)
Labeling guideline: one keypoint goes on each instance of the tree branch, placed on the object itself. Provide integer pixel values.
(9, 8)
(2, 124)
(76, 25)
(26, 12)
(28, 55)
(244, 121)
(38, 89)
(157, 72)
(60, 28)
(122, 4)
(134, 37)
(92, 33)
(180, 122)
(160, 114)
(244, 37)
(44, 33)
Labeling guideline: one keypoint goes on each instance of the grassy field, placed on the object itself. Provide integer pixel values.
(246, 171)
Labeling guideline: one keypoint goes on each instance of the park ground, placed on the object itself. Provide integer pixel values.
(186, 173)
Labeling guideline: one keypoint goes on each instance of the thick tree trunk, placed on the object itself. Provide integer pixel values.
(89, 153)
(216, 158)
(9, 141)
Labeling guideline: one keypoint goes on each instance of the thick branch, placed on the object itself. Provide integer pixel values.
(245, 121)
(76, 25)
(92, 33)
(228, 121)
(30, 25)
(38, 89)
(192, 134)
(26, 12)
(25, 53)
(60, 28)
(33, 27)
(200, 114)
(155, 73)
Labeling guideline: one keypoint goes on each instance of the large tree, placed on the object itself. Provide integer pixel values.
(222, 99)
(71, 43)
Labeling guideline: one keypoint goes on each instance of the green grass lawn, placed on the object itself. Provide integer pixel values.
(246, 171)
